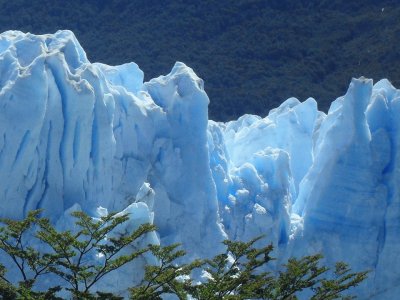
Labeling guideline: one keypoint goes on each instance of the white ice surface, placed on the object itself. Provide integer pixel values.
(77, 135)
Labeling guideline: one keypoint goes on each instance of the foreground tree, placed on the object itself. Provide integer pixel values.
(69, 254)
(168, 277)
(239, 273)
(29, 262)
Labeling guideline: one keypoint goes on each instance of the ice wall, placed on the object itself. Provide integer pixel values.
(332, 179)
(75, 134)
(72, 132)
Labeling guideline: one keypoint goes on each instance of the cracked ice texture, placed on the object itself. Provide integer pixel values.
(80, 134)
(72, 132)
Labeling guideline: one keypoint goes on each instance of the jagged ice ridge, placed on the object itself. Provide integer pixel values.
(80, 135)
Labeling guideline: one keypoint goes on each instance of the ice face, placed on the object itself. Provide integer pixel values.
(316, 182)
(82, 135)
(73, 132)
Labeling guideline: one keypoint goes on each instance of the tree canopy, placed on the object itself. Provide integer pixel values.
(239, 273)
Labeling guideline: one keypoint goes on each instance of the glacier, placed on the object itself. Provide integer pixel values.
(81, 135)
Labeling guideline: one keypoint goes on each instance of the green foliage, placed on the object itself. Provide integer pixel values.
(233, 275)
(30, 262)
(70, 254)
(167, 277)
(239, 273)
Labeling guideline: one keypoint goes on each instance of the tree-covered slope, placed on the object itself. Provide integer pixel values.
(252, 54)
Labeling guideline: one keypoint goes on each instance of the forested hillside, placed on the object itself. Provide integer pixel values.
(252, 54)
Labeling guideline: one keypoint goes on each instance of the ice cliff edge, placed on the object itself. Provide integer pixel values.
(81, 134)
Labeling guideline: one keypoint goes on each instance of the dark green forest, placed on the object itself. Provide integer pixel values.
(252, 54)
